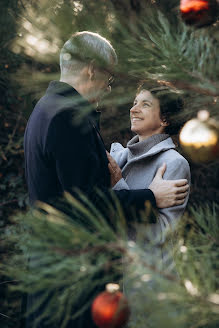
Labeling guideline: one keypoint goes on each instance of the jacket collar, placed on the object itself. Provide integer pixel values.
(71, 95)
(62, 89)
(75, 98)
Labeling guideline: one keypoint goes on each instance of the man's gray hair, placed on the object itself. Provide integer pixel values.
(86, 47)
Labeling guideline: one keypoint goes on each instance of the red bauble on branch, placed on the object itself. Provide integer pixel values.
(199, 13)
(110, 308)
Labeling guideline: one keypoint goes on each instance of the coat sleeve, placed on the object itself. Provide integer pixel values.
(126, 196)
(169, 217)
(121, 184)
(72, 152)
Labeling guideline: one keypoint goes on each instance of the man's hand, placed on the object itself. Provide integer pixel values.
(168, 192)
(115, 171)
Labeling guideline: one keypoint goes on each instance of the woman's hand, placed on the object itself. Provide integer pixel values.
(115, 171)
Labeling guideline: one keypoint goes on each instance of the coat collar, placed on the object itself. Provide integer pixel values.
(121, 154)
(137, 148)
(158, 148)
(62, 89)
(73, 98)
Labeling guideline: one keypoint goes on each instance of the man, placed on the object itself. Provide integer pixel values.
(62, 144)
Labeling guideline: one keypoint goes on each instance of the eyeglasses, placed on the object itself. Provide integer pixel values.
(107, 73)
(110, 80)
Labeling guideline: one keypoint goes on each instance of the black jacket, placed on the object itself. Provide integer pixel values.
(64, 150)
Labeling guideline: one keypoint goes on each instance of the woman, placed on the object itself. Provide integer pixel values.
(153, 120)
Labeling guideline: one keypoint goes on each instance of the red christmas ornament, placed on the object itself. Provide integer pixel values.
(110, 308)
(199, 13)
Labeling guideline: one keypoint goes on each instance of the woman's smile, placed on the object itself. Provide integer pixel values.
(134, 119)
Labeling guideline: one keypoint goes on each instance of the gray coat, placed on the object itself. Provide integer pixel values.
(139, 163)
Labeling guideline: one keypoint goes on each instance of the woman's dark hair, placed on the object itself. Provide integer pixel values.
(171, 105)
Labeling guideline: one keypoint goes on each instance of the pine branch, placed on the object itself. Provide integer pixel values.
(67, 255)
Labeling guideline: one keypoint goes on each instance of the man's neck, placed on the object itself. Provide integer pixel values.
(73, 84)
(80, 89)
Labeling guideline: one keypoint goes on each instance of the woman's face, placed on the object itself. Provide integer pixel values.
(145, 115)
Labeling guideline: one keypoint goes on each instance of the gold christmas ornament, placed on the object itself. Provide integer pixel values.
(199, 138)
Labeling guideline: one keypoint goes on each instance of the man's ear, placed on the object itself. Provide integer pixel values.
(91, 70)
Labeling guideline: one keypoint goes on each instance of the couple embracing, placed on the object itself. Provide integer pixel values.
(64, 150)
